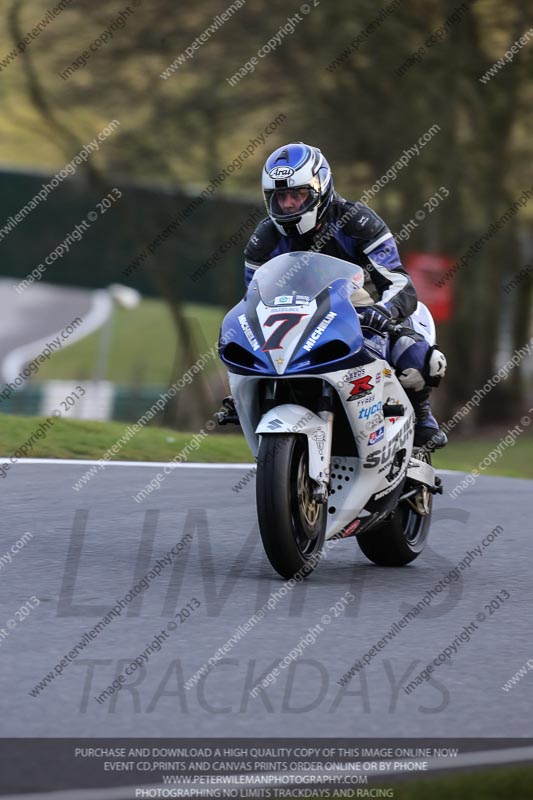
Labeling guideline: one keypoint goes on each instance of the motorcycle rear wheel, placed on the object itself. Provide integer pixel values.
(292, 524)
(401, 538)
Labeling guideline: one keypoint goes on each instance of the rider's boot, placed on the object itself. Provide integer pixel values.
(229, 414)
(427, 431)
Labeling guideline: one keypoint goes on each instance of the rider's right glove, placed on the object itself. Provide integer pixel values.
(377, 317)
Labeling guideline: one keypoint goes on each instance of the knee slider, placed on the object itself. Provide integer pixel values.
(413, 379)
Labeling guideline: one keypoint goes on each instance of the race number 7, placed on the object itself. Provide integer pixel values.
(287, 323)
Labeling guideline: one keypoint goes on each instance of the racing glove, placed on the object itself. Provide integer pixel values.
(377, 317)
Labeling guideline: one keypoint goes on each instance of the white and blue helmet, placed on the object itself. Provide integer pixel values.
(297, 166)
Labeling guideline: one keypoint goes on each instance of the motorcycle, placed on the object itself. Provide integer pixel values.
(325, 416)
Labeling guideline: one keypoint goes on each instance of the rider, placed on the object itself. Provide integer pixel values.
(306, 213)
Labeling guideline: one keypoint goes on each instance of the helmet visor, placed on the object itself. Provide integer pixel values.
(290, 204)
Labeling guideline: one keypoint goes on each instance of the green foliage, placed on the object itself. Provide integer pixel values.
(142, 349)
(363, 114)
(516, 461)
(487, 784)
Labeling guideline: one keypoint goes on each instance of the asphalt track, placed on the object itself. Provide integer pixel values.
(90, 547)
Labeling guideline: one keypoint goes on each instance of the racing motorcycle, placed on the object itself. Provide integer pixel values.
(325, 416)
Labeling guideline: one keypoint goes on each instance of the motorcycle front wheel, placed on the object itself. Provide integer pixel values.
(291, 522)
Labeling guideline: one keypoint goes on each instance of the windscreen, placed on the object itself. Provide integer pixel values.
(304, 274)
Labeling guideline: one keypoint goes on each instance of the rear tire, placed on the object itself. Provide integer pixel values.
(291, 523)
(401, 538)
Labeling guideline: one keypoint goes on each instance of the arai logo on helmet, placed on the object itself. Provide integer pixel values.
(281, 173)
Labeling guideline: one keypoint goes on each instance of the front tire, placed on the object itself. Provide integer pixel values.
(292, 524)
(401, 538)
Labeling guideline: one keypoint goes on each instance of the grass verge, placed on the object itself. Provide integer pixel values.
(88, 439)
(515, 461)
(499, 783)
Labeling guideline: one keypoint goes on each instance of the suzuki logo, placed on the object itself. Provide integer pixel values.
(274, 424)
(361, 387)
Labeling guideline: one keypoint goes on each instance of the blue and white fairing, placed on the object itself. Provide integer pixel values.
(297, 326)
(297, 318)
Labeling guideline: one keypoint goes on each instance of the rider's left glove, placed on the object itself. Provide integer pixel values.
(378, 318)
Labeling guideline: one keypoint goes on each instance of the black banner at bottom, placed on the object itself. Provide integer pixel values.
(116, 769)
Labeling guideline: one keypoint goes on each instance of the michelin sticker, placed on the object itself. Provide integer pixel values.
(248, 332)
(319, 330)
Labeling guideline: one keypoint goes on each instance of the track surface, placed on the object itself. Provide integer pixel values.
(225, 569)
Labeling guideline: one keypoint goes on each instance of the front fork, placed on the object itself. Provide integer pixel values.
(316, 426)
(321, 490)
